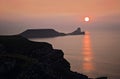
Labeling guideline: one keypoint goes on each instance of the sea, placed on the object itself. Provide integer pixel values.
(95, 54)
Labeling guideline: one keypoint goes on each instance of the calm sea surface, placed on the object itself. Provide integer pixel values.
(94, 54)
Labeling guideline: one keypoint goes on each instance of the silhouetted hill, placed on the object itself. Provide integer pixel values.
(46, 33)
(24, 59)
(41, 33)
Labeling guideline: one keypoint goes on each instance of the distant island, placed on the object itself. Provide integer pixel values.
(46, 33)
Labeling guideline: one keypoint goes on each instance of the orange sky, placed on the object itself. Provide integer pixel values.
(58, 7)
(57, 14)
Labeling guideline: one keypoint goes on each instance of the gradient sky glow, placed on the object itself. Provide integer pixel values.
(59, 7)
(57, 12)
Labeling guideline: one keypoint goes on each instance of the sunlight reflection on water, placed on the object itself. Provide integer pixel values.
(87, 53)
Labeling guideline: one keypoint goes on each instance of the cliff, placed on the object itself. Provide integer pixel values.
(24, 59)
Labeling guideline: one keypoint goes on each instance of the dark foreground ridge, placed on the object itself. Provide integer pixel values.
(46, 33)
(24, 59)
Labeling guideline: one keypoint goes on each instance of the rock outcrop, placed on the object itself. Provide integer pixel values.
(24, 59)
(77, 32)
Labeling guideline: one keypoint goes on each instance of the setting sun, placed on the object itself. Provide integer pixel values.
(86, 19)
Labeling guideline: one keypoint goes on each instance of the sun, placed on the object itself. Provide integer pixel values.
(86, 19)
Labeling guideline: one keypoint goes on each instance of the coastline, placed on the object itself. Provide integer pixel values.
(38, 60)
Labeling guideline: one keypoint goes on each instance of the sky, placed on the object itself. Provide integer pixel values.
(24, 14)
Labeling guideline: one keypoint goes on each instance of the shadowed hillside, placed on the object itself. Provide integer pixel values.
(24, 59)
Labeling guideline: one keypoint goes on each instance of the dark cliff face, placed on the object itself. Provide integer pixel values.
(24, 59)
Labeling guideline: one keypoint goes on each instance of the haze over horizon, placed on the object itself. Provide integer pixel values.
(64, 15)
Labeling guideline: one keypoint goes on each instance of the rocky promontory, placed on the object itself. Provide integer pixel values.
(77, 32)
(24, 59)
(47, 33)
